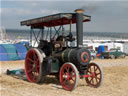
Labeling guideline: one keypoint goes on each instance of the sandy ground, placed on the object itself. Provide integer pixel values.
(115, 82)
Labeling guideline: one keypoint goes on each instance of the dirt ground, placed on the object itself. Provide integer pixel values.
(115, 82)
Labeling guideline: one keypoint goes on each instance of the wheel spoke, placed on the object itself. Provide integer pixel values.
(98, 73)
(90, 69)
(37, 60)
(34, 69)
(30, 70)
(71, 71)
(34, 77)
(73, 80)
(30, 59)
(89, 72)
(67, 69)
(91, 79)
(38, 69)
(65, 80)
(30, 65)
(96, 80)
(35, 57)
(37, 66)
(96, 68)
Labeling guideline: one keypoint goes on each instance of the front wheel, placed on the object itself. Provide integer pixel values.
(96, 75)
(69, 76)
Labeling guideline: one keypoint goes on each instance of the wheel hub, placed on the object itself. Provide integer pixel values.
(93, 74)
(65, 76)
(34, 65)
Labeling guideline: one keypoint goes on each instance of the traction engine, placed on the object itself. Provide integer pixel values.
(55, 56)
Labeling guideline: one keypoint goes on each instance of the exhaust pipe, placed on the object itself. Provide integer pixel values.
(79, 27)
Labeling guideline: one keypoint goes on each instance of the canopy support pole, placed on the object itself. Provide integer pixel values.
(47, 34)
(36, 37)
(42, 32)
(70, 30)
(31, 37)
(50, 33)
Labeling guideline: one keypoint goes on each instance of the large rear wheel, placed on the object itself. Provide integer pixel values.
(69, 76)
(33, 65)
(96, 75)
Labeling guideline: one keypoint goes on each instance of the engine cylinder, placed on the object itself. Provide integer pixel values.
(78, 56)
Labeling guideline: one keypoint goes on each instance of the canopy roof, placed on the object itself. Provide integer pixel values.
(54, 20)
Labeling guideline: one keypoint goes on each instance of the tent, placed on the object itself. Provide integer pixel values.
(21, 51)
(3, 54)
(100, 49)
(11, 51)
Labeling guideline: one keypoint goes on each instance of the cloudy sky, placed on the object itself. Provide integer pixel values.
(107, 16)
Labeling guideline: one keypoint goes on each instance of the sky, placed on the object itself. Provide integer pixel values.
(106, 15)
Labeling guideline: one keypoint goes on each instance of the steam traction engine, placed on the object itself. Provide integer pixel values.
(55, 55)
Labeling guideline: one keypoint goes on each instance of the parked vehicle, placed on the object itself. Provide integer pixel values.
(113, 53)
(93, 54)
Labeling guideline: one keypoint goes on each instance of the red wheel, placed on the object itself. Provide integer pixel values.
(33, 65)
(69, 76)
(96, 75)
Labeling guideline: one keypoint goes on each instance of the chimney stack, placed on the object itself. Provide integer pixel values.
(79, 27)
